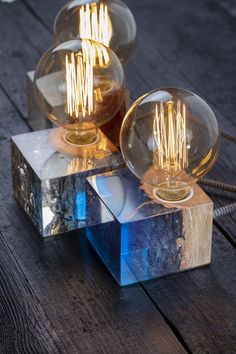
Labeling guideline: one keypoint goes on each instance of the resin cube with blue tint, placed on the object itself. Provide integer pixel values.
(139, 238)
(50, 186)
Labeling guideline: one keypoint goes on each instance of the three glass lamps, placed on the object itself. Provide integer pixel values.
(169, 139)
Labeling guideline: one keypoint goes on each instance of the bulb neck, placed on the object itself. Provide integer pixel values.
(173, 191)
(81, 138)
(81, 134)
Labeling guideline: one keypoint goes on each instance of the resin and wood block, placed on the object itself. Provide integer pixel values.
(139, 238)
(38, 121)
(50, 186)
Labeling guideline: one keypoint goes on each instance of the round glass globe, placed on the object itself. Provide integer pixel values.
(170, 139)
(79, 86)
(109, 22)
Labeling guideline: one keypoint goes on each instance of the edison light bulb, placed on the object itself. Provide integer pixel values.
(169, 139)
(109, 22)
(79, 86)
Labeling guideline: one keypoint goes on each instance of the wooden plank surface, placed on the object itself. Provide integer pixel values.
(70, 294)
(23, 323)
(25, 40)
(86, 308)
(202, 303)
(172, 51)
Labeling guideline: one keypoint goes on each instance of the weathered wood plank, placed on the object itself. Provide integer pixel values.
(158, 60)
(88, 311)
(224, 170)
(40, 10)
(228, 5)
(171, 33)
(24, 326)
(192, 37)
(201, 303)
(22, 45)
(176, 47)
(185, 48)
(182, 55)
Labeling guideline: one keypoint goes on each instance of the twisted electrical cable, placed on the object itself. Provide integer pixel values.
(230, 208)
(228, 137)
(218, 185)
(225, 210)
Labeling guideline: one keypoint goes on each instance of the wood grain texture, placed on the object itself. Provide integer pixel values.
(183, 43)
(25, 40)
(188, 46)
(192, 39)
(195, 54)
(87, 310)
(229, 6)
(224, 170)
(39, 9)
(207, 319)
(197, 226)
(197, 221)
(24, 326)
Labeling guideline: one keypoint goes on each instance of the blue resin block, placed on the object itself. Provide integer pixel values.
(50, 186)
(138, 238)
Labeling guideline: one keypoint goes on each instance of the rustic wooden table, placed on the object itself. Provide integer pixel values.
(56, 296)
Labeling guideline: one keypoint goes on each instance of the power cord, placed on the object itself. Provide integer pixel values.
(218, 185)
(225, 210)
(228, 137)
(230, 208)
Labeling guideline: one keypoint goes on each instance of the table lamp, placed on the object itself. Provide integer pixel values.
(78, 85)
(108, 22)
(161, 220)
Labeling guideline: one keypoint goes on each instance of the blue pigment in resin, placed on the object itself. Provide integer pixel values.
(137, 238)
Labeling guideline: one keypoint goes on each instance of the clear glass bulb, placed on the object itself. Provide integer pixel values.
(79, 86)
(170, 139)
(109, 22)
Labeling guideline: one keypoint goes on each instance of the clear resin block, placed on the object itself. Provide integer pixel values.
(50, 186)
(138, 238)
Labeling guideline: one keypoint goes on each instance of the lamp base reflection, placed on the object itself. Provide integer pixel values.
(50, 185)
(139, 238)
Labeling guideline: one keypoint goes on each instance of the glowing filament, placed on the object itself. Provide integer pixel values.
(81, 93)
(95, 23)
(169, 131)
